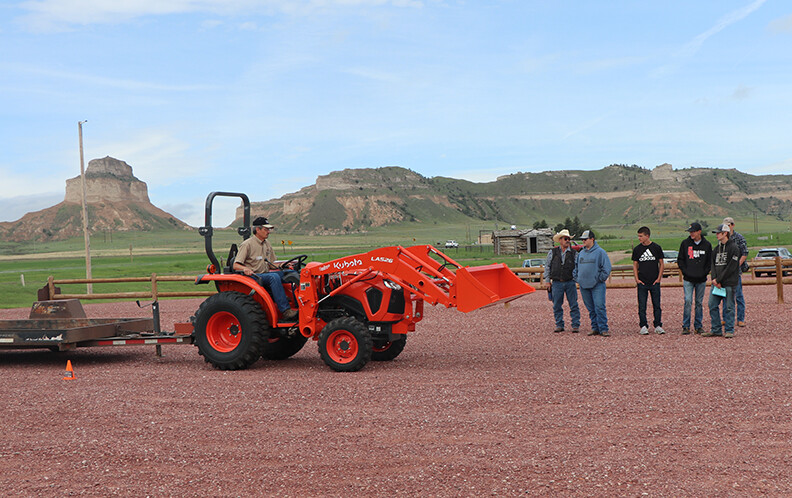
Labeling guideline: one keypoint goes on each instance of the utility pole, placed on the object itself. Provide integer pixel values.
(84, 212)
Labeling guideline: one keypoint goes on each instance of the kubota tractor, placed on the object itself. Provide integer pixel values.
(358, 308)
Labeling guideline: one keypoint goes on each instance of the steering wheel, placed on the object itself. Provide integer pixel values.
(296, 262)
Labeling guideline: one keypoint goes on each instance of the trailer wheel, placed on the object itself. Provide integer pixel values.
(345, 344)
(283, 347)
(388, 350)
(230, 328)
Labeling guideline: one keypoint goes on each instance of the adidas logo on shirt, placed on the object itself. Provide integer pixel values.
(647, 256)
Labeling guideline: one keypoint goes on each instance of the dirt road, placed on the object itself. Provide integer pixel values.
(486, 403)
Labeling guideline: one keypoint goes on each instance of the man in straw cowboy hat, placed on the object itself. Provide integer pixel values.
(559, 266)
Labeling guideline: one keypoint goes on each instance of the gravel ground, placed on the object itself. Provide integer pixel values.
(486, 403)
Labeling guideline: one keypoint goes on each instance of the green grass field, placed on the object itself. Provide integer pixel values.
(140, 254)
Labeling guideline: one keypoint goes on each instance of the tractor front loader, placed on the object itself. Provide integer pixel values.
(358, 308)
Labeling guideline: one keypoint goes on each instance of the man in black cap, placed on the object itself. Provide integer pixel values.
(694, 261)
(257, 259)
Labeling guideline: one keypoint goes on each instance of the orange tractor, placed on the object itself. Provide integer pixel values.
(358, 308)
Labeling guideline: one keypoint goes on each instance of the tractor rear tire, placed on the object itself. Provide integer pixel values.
(230, 330)
(345, 344)
(284, 347)
(389, 350)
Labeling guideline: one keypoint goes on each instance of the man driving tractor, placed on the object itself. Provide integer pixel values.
(256, 259)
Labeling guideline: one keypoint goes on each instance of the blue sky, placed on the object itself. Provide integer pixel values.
(262, 96)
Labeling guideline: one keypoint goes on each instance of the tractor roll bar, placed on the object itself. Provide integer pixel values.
(206, 231)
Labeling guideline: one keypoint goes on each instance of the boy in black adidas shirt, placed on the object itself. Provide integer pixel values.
(648, 268)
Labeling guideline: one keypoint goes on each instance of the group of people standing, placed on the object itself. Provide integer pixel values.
(589, 267)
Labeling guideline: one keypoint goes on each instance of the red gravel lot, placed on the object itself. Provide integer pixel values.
(490, 402)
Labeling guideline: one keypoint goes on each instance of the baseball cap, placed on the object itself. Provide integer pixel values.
(694, 227)
(262, 222)
(722, 228)
(728, 220)
(588, 234)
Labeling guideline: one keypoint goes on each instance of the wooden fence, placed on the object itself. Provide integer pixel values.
(153, 294)
(621, 278)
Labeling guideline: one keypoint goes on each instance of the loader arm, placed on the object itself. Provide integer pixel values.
(423, 270)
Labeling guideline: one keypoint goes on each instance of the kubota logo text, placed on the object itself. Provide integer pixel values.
(343, 265)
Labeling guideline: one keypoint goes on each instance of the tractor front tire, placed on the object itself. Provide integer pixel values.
(345, 344)
(230, 330)
(284, 347)
(387, 351)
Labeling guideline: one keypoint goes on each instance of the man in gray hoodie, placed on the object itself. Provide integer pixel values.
(725, 274)
(592, 270)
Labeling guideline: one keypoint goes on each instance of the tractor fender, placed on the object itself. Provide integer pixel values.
(234, 282)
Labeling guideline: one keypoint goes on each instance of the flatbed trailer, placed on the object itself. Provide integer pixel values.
(62, 326)
(65, 334)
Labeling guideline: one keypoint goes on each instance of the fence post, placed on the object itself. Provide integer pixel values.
(779, 280)
(155, 312)
(154, 295)
(50, 288)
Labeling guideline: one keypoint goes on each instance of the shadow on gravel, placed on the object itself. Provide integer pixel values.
(36, 357)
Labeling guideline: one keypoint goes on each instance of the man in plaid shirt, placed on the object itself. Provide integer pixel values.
(742, 245)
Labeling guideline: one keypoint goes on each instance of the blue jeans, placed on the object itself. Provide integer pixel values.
(568, 289)
(643, 292)
(738, 296)
(728, 311)
(273, 281)
(699, 289)
(594, 299)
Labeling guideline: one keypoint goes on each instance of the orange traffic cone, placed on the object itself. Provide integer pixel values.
(69, 371)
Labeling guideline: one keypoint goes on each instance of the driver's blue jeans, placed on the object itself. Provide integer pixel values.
(273, 281)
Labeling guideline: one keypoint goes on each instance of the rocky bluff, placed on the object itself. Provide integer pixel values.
(115, 201)
(107, 179)
(356, 200)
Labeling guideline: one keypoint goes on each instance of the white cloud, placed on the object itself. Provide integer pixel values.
(156, 157)
(781, 25)
(778, 168)
(693, 46)
(13, 208)
(47, 15)
(46, 183)
(606, 64)
(102, 81)
(724, 22)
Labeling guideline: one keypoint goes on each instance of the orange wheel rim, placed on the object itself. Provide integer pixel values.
(223, 332)
(342, 346)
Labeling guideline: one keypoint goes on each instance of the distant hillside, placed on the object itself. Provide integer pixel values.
(355, 200)
(116, 201)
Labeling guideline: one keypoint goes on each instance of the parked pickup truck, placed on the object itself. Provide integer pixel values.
(769, 254)
(534, 263)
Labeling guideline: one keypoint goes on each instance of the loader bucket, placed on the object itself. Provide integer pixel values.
(480, 286)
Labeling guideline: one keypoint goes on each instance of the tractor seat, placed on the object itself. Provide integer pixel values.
(229, 268)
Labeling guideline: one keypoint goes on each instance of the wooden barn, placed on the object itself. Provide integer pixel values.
(525, 241)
